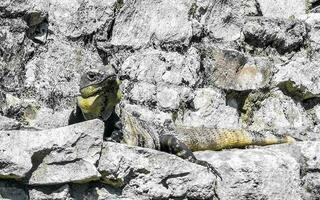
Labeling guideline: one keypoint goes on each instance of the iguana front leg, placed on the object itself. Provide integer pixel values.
(76, 116)
(170, 144)
(113, 129)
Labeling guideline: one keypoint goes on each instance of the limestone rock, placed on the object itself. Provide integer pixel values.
(44, 156)
(13, 53)
(56, 85)
(299, 78)
(57, 193)
(209, 110)
(222, 20)
(138, 172)
(230, 69)
(163, 67)
(144, 23)
(282, 9)
(8, 124)
(282, 34)
(264, 173)
(277, 112)
(73, 19)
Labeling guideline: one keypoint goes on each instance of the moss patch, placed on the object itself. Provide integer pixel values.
(297, 92)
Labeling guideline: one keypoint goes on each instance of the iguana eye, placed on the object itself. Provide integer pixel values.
(91, 76)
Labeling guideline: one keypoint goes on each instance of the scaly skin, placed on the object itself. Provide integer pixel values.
(100, 93)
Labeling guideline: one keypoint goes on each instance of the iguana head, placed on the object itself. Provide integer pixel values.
(99, 89)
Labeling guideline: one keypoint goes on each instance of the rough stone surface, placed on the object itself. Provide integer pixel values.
(284, 35)
(230, 69)
(144, 23)
(209, 110)
(249, 64)
(282, 9)
(60, 155)
(304, 76)
(276, 112)
(57, 193)
(251, 174)
(137, 169)
(8, 124)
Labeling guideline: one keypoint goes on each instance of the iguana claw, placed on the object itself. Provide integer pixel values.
(209, 167)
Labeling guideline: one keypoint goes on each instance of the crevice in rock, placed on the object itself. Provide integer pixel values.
(164, 180)
(110, 29)
(37, 26)
(65, 162)
(312, 171)
(47, 189)
(78, 139)
(215, 191)
(87, 40)
(258, 8)
(54, 99)
(310, 103)
(265, 37)
(236, 99)
(100, 155)
(297, 92)
(36, 160)
(315, 6)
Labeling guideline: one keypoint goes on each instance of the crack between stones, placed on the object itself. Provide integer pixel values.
(36, 160)
(100, 155)
(164, 181)
(65, 162)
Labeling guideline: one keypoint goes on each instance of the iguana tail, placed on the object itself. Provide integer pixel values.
(216, 139)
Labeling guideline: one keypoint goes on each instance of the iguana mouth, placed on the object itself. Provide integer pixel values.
(98, 88)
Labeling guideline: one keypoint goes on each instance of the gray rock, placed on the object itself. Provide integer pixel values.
(313, 20)
(156, 66)
(73, 19)
(230, 69)
(144, 23)
(282, 9)
(222, 20)
(209, 110)
(53, 84)
(307, 154)
(276, 112)
(160, 78)
(148, 114)
(299, 78)
(251, 8)
(8, 124)
(53, 156)
(139, 174)
(78, 171)
(162, 52)
(285, 35)
(56, 193)
(13, 53)
(266, 173)
(273, 174)
(23, 110)
(47, 118)
(97, 191)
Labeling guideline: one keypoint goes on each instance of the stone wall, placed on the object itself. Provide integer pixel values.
(249, 64)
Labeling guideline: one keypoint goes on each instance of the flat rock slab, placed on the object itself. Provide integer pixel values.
(52, 156)
(154, 174)
(273, 172)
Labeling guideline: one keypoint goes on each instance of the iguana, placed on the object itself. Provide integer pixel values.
(100, 93)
